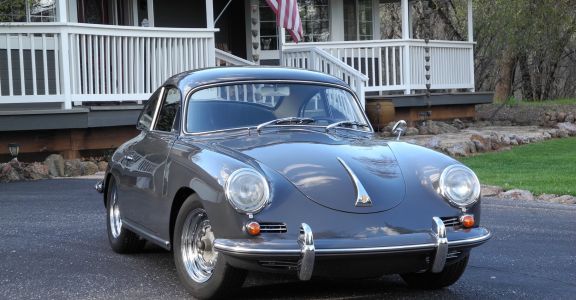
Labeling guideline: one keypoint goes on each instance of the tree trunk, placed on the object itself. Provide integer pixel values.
(506, 66)
(527, 92)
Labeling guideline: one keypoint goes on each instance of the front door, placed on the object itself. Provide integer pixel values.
(147, 201)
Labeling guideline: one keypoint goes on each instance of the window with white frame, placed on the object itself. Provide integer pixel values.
(358, 20)
(315, 18)
(27, 10)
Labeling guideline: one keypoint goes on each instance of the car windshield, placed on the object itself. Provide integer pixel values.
(252, 104)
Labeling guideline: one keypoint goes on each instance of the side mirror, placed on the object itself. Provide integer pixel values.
(399, 128)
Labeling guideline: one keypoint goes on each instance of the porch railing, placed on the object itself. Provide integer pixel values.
(57, 62)
(316, 59)
(224, 58)
(399, 65)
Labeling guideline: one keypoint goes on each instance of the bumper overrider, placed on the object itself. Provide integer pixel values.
(436, 242)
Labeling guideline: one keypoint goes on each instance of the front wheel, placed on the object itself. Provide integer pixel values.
(201, 269)
(433, 281)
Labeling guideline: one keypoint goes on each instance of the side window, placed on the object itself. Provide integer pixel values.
(147, 115)
(168, 110)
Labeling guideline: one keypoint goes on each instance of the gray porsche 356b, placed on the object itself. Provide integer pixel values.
(278, 170)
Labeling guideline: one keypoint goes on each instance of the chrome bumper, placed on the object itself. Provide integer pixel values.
(306, 250)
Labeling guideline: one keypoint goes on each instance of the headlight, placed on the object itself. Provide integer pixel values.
(247, 190)
(459, 185)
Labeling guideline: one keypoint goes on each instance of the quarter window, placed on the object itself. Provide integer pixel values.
(147, 116)
(168, 110)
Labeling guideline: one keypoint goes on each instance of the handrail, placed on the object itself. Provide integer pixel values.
(337, 68)
(230, 59)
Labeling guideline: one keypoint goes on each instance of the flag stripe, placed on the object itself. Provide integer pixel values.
(288, 16)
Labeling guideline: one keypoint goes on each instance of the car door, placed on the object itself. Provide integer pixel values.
(149, 163)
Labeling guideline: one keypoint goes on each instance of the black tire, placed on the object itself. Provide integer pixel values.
(121, 239)
(205, 275)
(433, 281)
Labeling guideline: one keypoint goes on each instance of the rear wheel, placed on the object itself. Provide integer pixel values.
(432, 281)
(201, 269)
(121, 239)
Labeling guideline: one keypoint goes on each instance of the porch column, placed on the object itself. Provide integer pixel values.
(62, 11)
(470, 23)
(405, 20)
(209, 14)
(406, 49)
(471, 40)
(150, 9)
(210, 25)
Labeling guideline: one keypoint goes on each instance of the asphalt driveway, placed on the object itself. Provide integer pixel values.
(53, 245)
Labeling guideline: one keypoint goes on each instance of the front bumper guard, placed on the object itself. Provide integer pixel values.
(307, 250)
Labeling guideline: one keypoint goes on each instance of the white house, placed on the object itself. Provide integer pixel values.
(67, 55)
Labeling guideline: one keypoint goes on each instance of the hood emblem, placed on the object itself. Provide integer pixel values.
(362, 198)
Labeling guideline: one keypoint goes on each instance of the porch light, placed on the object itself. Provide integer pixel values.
(14, 149)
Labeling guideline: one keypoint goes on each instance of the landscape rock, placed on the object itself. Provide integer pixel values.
(411, 131)
(491, 190)
(55, 164)
(73, 168)
(570, 128)
(37, 170)
(434, 127)
(482, 144)
(565, 199)
(102, 166)
(8, 172)
(546, 197)
(570, 118)
(89, 168)
(517, 194)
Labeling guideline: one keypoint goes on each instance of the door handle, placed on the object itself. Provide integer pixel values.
(129, 157)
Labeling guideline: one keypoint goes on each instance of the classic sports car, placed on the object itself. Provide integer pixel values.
(278, 170)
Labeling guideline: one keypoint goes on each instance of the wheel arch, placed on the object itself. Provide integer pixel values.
(109, 176)
(179, 198)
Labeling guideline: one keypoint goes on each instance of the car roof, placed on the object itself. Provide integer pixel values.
(192, 79)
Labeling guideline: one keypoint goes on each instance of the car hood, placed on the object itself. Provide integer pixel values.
(329, 169)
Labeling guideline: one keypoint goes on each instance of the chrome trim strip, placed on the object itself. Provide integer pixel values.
(306, 262)
(475, 240)
(439, 234)
(146, 235)
(428, 246)
(362, 197)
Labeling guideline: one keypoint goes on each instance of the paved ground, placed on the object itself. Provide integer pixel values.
(53, 245)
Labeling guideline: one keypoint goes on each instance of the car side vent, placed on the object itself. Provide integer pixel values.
(272, 227)
(453, 254)
(451, 221)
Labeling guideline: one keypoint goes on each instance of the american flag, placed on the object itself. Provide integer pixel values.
(288, 16)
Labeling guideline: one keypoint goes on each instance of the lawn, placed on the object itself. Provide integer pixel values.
(548, 167)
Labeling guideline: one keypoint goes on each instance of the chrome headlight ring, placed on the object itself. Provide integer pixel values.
(247, 190)
(459, 186)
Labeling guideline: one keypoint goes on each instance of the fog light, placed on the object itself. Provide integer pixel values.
(253, 228)
(467, 221)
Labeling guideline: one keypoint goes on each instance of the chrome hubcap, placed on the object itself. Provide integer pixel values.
(197, 246)
(114, 214)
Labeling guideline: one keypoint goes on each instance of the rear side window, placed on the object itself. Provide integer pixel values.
(147, 116)
(168, 110)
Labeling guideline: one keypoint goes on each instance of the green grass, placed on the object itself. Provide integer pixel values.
(555, 102)
(548, 167)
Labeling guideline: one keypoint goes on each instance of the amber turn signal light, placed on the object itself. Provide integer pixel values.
(253, 228)
(467, 221)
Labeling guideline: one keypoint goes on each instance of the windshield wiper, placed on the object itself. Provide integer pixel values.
(346, 123)
(289, 120)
